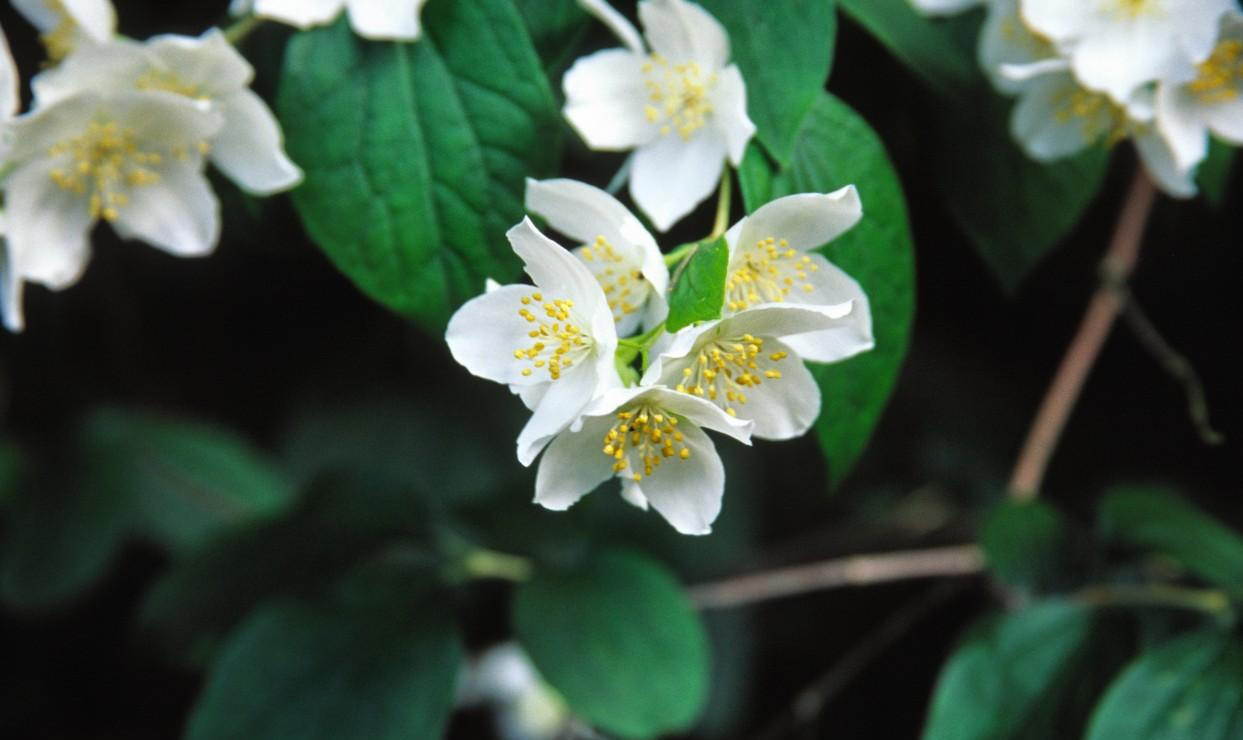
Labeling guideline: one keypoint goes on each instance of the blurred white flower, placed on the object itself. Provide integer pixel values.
(1005, 40)
(552, 343)
(1212, 101)
(616, 248)
(945, 7)
(771, 262)
(504, 677)
(385, 20)
(206, 70)
(682, 108)
(1117, 46)
(652, 439)
(65, 25)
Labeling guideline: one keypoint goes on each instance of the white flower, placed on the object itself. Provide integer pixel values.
(504, 677)
(1057, 117)
(552, 343)
(770, 262)
(207, 70)
(393, 20)
(133, 159)
(621, 254)
(65, 25)
(681, 107)
(652, 439)
(1116, 46)
(1005, 40)
(1186, 113)
(745, 364)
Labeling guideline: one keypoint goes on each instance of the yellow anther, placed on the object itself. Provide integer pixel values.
(1219, 76)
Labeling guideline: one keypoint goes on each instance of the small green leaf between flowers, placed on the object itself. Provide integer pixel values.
(1026, 543)
(698, 285)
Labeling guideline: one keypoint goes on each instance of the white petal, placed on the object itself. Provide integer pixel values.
(1058, 19)
(48, 227)
(208, 61)
(1012, 76)
(1226, 120)
(560, 407)
(631, 494)
(729, 112)
(10, 83)
(622, 28)
(386, 19)
(852, 334)
(249, 148)
(684, 32)
(96, 18)
(10, 290)
(114, 67)
(944, 7)
(605, 100)
(300, 13)
(530, 395)
(560, 273)
(672, 175)
(484, 333)
(687, 493)
(1158, 159)
(697, 410)
(583, 212)
(1041, 130)
(573, 465)
(805, 220)
(1181, 120)
(179, 214)
(1120, 57)
(785, 407)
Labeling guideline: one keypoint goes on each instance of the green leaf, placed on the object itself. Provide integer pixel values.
(1213, 176)
(332, 669)
(415, 154)
(784, 51)
(1190, 688)
(556, 27)
(619, 640)
(697, 292)
(1157, 519)
(1003, 680)
(836, 148)
(921, 43)
(1026, 543)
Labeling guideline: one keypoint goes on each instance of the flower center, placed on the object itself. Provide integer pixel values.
(557, 342)
(1099, 115)
(767, 273)
(641, 438)
(623, 284)
(1219, 75)
(725, 368)
(103, 164)
(168, 81)
(1133, 8)
(63, 37)
(677, 96)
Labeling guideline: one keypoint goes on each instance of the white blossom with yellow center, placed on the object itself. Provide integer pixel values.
(1211, 101)
(652, 440)
(771, 261)
(552, 342)
(615, 247)
(680, 106)
(134, 160)
(384, 20)
(1117, 46)
(206, 70)
(745, 364)
(66, 25)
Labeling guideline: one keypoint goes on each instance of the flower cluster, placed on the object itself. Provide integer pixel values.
(556, 345)
(386, 20)
(120, 131)
(1164, 73)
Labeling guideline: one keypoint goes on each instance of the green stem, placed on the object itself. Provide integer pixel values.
(1208, 601)
(491, 564)
(722, 205)
(241, 28)
(679, 254)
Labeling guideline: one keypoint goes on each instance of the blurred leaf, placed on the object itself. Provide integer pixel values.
(836, 148)
(1213, 176)
(1026, 543)
(1190, 688)
(340, 521)
(555, 27)
(378, 668)
(1155, 518)
(784, 51)
(1003, 680)
(416, 154)
(619, 640)
(698, 289)
(919, 42)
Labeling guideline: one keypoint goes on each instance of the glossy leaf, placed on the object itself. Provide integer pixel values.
(697, 292)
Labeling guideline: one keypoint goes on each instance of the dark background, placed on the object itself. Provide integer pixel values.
(244, 338)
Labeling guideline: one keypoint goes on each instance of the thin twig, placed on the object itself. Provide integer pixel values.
(810, 702)
(854, 570)
(1177, 365)
(1209, 601)
(1097, 322)
(242, 28)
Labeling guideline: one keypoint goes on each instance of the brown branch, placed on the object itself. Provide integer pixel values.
(854, 570)
(1097, 322)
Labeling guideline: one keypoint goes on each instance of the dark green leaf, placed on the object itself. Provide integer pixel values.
(1214, 174)
(1026, 543)
(416, 154)
(1002, 681)
(784, 51)
(1157, 519)
(332, 669)
(555, 27)
(836, 148)
(619, 640)
(1190, 688)
(921, 43)
(697, 292)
